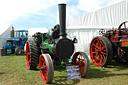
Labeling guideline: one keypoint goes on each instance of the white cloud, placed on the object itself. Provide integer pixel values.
(12, 9)
(91, 5)
(71, 12)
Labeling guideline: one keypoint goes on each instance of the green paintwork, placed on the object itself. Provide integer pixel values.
(48, 47)
(44, 43)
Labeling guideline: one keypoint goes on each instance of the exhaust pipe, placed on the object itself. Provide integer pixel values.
(62, 17)
(12, 32)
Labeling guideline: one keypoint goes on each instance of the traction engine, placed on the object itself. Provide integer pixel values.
(54, 48)
(113, 44)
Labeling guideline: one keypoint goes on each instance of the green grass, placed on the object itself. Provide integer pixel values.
(13, 71)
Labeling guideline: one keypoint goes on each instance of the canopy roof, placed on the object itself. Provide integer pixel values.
(4, 27)
(108, 17)
(5, 31)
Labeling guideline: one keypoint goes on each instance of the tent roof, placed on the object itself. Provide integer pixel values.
(4, 27)
(108, 17)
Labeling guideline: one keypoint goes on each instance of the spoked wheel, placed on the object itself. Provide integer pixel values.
(101, 51)
(31, 54)
(82, 60)
(46, 68)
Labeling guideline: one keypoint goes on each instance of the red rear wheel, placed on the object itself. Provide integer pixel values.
(31, 54)
(100, 51)
(82, 60)
(46, 68)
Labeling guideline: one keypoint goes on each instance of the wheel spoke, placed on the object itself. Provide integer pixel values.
(98, 43)
(124, 25)
(103, 53)
(95, 58)
(94, 52)
(83, 64)
(42, 59)
(45, 67)
(82, 70)
(102, 48)
(101, 43)
(45, 76)
(100, 59)
(95, 49)
(95, 46)
(104, 58)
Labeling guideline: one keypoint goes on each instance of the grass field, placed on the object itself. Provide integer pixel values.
(13, 71)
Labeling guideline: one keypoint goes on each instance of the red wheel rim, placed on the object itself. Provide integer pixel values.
(44, 72)
(98, 51)
(79, 59)
(28, 55)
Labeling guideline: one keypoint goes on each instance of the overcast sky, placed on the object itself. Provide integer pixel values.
(24, 14)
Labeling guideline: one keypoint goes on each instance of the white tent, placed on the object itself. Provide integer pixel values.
(32, 31)
(87, 26)
(5, 31)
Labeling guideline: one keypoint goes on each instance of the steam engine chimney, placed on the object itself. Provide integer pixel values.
(62, 17)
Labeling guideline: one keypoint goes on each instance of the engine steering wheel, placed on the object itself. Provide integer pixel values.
(124, 29)
(123, 24)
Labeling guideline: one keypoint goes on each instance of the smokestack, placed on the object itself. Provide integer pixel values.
(12, 32)
(62, 17)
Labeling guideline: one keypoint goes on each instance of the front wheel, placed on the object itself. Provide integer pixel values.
(46, 68)
(17, 51)
(82, 60)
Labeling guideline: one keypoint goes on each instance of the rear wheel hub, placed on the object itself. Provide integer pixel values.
(42, 68)
(98, 51)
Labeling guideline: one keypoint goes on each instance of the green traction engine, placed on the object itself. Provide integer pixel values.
(54, 48)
